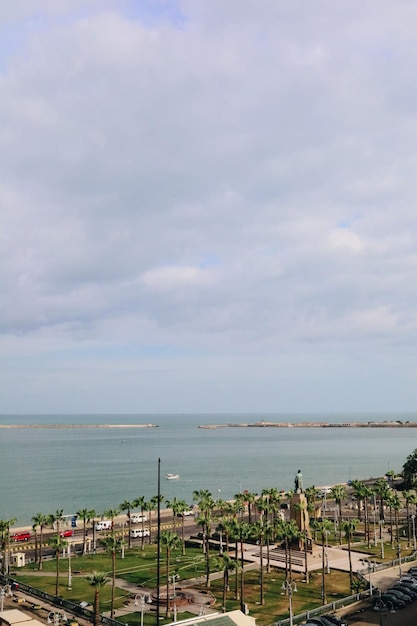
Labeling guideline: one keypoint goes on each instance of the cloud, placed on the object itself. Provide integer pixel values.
(234, 187)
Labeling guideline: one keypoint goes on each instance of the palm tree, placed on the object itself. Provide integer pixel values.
(410, 499)
(338, 492)
(382, 491)
(178, 508)
(349, 526)
(39, 520)
(204, 520)
(112, 544)
(84, 515)
(170, 540)
(242, 531)
(127, 506)
(97, 580)
(150, 507)
(111, 514)
(57, 544)
(258, 531)
(5, 543)
(324, 528)
(141, 503)
(227, 564)
(55, 520)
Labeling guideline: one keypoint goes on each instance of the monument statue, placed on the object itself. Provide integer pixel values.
(298, 482)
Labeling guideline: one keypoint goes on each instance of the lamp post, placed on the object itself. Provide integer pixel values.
(56, 618)
(69, 586)
(5, 591)
(289, 589)
(413, 520)
(142, 606)
(174, 578)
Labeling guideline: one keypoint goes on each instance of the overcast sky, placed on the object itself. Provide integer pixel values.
(208, 206)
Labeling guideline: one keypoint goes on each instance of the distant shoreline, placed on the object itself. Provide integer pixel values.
(78, 426)
(385, 424)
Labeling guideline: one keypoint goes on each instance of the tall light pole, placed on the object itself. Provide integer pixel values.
(413, 520)
(289, 589)
(69, 586)
(142, 606)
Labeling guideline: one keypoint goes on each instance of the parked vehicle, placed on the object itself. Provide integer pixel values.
(104, 524)
(21, 537)
(135, 533)
(138, 518)
(185, 513)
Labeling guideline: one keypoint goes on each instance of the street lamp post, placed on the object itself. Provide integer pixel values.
(56, 618)
(413, 520)
(69, 586)
(174, 578)
(5, 591)
(289, 588)
(142, 606)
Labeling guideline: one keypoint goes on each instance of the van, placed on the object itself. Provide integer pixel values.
(137, 518)
(104, 524)
(138, 532)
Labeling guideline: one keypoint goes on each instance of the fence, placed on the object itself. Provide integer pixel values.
(71, 607)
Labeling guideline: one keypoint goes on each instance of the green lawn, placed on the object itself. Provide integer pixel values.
(139, 567)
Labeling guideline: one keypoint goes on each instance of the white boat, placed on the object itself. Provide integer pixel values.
(172, 476)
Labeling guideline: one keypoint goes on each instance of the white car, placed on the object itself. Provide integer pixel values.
(138, 519)
(185, 513)
(138, 532)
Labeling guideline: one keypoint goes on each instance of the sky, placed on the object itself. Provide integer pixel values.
(208, 206)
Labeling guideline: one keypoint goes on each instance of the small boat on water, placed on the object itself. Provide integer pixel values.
(172, 476)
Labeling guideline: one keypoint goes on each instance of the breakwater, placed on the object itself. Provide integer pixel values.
(373, 424)
(78, 426)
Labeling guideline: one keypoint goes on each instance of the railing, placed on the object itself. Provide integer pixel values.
(71, 607)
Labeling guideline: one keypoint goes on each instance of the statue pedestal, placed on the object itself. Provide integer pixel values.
(299, 513)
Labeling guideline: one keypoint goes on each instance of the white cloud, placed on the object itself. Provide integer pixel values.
(238, 186)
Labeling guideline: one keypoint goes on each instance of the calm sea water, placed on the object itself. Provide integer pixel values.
(46, 469)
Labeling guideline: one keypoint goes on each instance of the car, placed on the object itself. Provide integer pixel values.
(67, 533)
(387, 599)
(21, 537)
(389, 596)
(400, 594)
(411, 593)
(320, 621)
(185, 513)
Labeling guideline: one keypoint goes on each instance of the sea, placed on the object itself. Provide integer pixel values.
(46, 469)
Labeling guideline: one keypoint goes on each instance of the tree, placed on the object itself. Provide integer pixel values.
(349, 527)
(57, 544)
(85, 515)
(127, 506)
(112, 544)
(324, 528)
(5, 543)
(410, 499)
(204, 520)
(111, 513)
(55, 519)
(97, 580)
(39, 521)
(141, 503)
(338, 492)
(170, 540)
(409, 472)
(227, 564)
